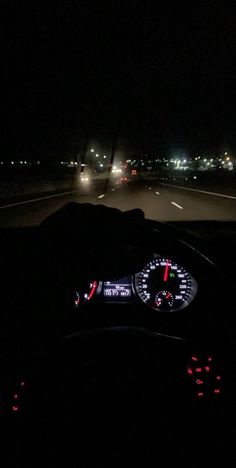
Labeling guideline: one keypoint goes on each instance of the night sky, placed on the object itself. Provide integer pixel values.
(160, 75)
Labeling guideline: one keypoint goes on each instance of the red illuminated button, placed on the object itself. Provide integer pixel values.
(200, 394)
(15, 408)
(199, 382)
(198, 369)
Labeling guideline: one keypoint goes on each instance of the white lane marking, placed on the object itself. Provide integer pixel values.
(157, 193)
(32, 200)
(177, 206)
(202, 191)
(101, 196)
(113, 190)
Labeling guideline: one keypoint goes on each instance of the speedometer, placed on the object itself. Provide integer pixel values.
(164, 285)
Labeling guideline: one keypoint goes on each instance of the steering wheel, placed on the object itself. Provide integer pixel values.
(108, 387)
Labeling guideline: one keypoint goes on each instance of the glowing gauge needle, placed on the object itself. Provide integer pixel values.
(166, 270)
(92, 290)
(168, 295)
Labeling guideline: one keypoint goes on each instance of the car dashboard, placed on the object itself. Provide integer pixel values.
(178, 296)
(162, 285)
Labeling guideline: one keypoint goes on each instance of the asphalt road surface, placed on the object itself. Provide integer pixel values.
(159, 202)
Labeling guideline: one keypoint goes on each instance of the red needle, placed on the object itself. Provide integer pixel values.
(166, 272)
(168, 295)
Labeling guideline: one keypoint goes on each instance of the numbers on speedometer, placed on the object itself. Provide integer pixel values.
(164, 285)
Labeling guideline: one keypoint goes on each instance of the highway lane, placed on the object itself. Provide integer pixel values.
(159, 202)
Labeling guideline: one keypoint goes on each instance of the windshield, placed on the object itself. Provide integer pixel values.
(126, 104)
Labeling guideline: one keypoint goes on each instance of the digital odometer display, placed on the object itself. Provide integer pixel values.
(164, 285)
(117, 289)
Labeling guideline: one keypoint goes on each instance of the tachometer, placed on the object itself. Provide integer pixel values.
(164, 285)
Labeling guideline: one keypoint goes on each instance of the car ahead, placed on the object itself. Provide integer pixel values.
(85, 177)
(134, 173)
(135, 369)
(123, 180)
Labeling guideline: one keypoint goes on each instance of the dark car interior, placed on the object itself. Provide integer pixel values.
(118, 377)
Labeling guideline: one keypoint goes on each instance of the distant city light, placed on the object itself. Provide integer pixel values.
(105, 156)
(101, 165)
(96, 155)
(92, 150)
(226, 153)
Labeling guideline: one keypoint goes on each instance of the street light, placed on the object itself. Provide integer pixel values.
(92, 150)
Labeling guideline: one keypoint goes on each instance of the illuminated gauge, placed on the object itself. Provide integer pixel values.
(81, 297)
(164, 300)
(164, 285)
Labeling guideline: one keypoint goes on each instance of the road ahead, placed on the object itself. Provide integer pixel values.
(159, 202)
